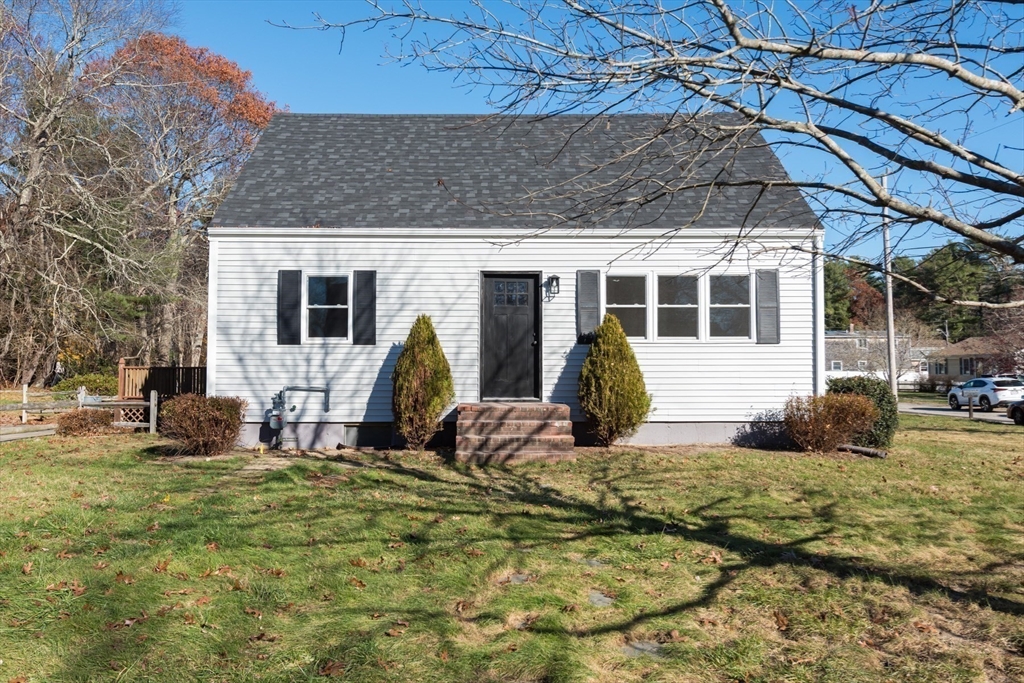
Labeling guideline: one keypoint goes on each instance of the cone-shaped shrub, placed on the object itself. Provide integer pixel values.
(422, 385)
(612, 392)
(888, 420)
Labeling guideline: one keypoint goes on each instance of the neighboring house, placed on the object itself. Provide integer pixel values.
(341, 229)
(969, 358)
(851, 353)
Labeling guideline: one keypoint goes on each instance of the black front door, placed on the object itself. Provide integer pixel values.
(510, 337)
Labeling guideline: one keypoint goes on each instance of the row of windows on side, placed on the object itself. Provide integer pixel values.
(679, 305)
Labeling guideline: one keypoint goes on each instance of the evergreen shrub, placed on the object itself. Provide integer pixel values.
(820, 423)
(95, 383)
(884, 429)
(422, 385)
(204, 425)
(612, 392)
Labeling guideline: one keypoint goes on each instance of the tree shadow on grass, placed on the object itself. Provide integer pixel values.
(617, 488)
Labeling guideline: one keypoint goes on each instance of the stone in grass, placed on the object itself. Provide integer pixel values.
(640, 648)
(599, 599)
(592, 562)
(516, 579)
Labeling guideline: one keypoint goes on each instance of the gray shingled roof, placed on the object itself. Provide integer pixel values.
(370, 171)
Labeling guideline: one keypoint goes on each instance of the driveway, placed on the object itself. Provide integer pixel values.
(997, 416)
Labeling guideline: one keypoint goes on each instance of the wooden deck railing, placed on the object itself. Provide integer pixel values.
(135, 383)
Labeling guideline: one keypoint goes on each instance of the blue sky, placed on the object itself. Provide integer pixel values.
(305, 69)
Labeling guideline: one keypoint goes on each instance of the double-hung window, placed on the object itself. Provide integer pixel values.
(678, 303)
(327, 307)
(729, 310)
(837, 365)
(627, 301)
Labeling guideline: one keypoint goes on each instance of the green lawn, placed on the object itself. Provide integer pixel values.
(117, 563)
(923, 398)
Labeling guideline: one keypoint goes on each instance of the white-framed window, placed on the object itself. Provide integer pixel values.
(862, 365)
(837, 365)
(627, 300)
(922, 367)
(862, 343)
(678, 307)
(327, 307)
(729, 307)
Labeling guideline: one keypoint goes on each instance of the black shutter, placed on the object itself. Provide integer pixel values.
(767, 307)
(364, 318)
(289, 307)
(588, 304)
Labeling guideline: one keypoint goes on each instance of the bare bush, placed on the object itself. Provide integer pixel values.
(87, 422)
(204, 425)
(820, 423)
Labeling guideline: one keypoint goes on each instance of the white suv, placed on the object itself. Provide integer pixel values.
(987, 392)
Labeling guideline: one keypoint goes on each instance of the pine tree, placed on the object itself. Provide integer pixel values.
(422, 385)
(612, 392)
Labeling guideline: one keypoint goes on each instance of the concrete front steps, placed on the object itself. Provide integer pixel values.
(505, 432)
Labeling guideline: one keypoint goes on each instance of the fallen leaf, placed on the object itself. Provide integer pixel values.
(714, 557)
(356, 582)
(161, 566)
(402, 622)
(473, 552)
(126, 579)
(398, 544)
(212, 546)
(203, 600)
(263, 637)
(101, 565)
(781, 620)
(393, 632)
(571, 607)
(26, 568)
(666, 565)
(59, 586)
(64, 555)
(183, 591)
(333, 668)
(189, 619)
(155, 526)
(358, 562)
(254, 612)
(924, 627)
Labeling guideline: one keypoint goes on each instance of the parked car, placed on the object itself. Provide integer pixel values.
(1015, 411)
(986, 392)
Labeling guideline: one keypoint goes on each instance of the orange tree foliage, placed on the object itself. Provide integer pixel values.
(200, 107)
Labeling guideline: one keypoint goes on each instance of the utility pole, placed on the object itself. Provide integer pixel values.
(890, 331)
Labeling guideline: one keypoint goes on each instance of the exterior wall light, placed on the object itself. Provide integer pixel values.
(552, 285)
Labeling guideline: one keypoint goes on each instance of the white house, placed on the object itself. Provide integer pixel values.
(341, 229)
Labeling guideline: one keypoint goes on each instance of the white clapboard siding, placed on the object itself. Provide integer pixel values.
(438, 273)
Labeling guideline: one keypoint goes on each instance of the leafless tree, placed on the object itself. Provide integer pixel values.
(904, 88)
(116, 145)
(64, 236)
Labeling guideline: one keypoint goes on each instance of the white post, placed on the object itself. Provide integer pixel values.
(890, 332)
(24, 401)
(152, 411)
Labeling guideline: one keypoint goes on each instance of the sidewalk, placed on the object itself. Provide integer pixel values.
(997, 416)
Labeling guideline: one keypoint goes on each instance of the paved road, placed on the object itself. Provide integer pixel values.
(997, 416)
